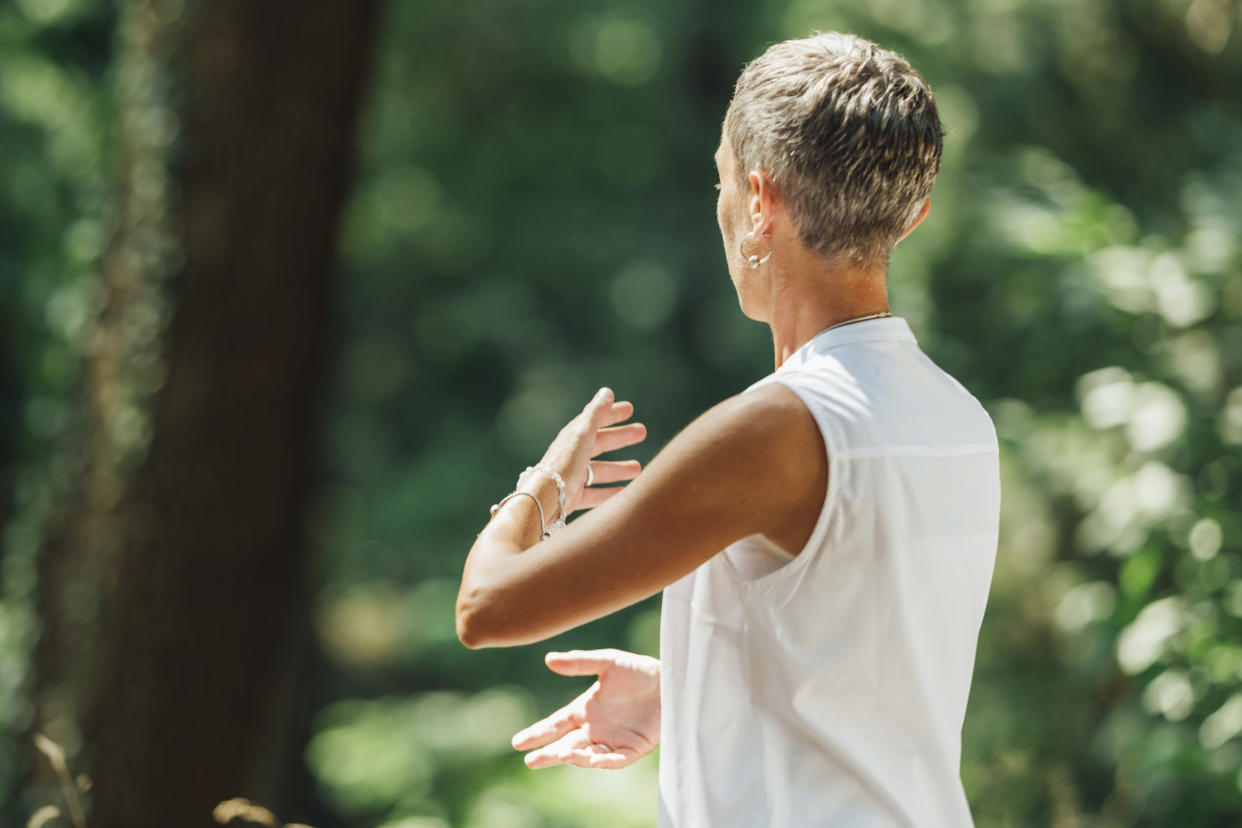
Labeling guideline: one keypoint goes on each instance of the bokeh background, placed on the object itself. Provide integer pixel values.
(290, 293)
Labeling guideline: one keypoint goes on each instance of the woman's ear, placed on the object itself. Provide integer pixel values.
(918, 219)
(763, 202)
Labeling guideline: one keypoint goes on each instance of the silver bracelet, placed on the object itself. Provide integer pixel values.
(560, 487)
(542, 524)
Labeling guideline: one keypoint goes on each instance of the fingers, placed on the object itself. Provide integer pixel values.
(605, 410)
(594, 757)
(615, 471)
(548, 729)
(602, 397)
(598, 404)
(576, 748)
(618, 412)
(610, 439)
(559, 751)
(594, 497)
(603, 413)
(581, 662)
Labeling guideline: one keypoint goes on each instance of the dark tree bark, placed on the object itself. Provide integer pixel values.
(171, 590)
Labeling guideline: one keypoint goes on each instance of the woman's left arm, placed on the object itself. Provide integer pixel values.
(755, 464)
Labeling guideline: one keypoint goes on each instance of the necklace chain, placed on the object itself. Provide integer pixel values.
(856, 319)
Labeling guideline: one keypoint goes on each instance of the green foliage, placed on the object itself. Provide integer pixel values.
(53, 114)
(533, 216)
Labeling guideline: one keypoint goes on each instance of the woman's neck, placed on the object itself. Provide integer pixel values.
(808, 299)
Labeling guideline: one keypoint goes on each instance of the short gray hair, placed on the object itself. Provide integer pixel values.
(849, 134)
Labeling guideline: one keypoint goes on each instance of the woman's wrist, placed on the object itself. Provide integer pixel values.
(562, 493)
(537, 502)
(543, 487)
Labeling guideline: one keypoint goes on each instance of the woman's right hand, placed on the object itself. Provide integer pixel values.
(612, 725)
(596, 430)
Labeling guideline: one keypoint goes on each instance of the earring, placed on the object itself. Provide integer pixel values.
(753, 261)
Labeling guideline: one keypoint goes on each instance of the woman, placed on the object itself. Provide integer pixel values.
(824, 540)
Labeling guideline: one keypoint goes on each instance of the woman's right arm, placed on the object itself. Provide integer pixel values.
(755, 464)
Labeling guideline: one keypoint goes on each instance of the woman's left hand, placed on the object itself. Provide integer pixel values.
(588, 435)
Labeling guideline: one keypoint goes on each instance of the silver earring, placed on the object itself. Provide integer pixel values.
(753, 260)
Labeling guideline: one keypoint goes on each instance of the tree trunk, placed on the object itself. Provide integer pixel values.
(171, 589)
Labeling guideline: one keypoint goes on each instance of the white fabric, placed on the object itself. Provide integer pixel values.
(828, 689)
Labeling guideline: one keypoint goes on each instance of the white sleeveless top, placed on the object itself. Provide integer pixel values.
(829, 689)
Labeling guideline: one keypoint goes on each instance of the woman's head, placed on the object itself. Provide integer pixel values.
(848, 134)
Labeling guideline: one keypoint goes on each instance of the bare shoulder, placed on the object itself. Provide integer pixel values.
(775, 407)
(771, 413)
(773, 424)
(758, 457)
(794, 461)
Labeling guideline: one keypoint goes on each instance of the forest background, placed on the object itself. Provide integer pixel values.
(289, 294)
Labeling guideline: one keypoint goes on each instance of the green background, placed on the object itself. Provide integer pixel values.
(532, 217)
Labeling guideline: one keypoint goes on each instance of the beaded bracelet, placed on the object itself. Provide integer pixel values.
(560, 487)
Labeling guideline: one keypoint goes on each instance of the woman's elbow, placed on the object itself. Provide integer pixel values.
(472, 622)
(468, 632)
